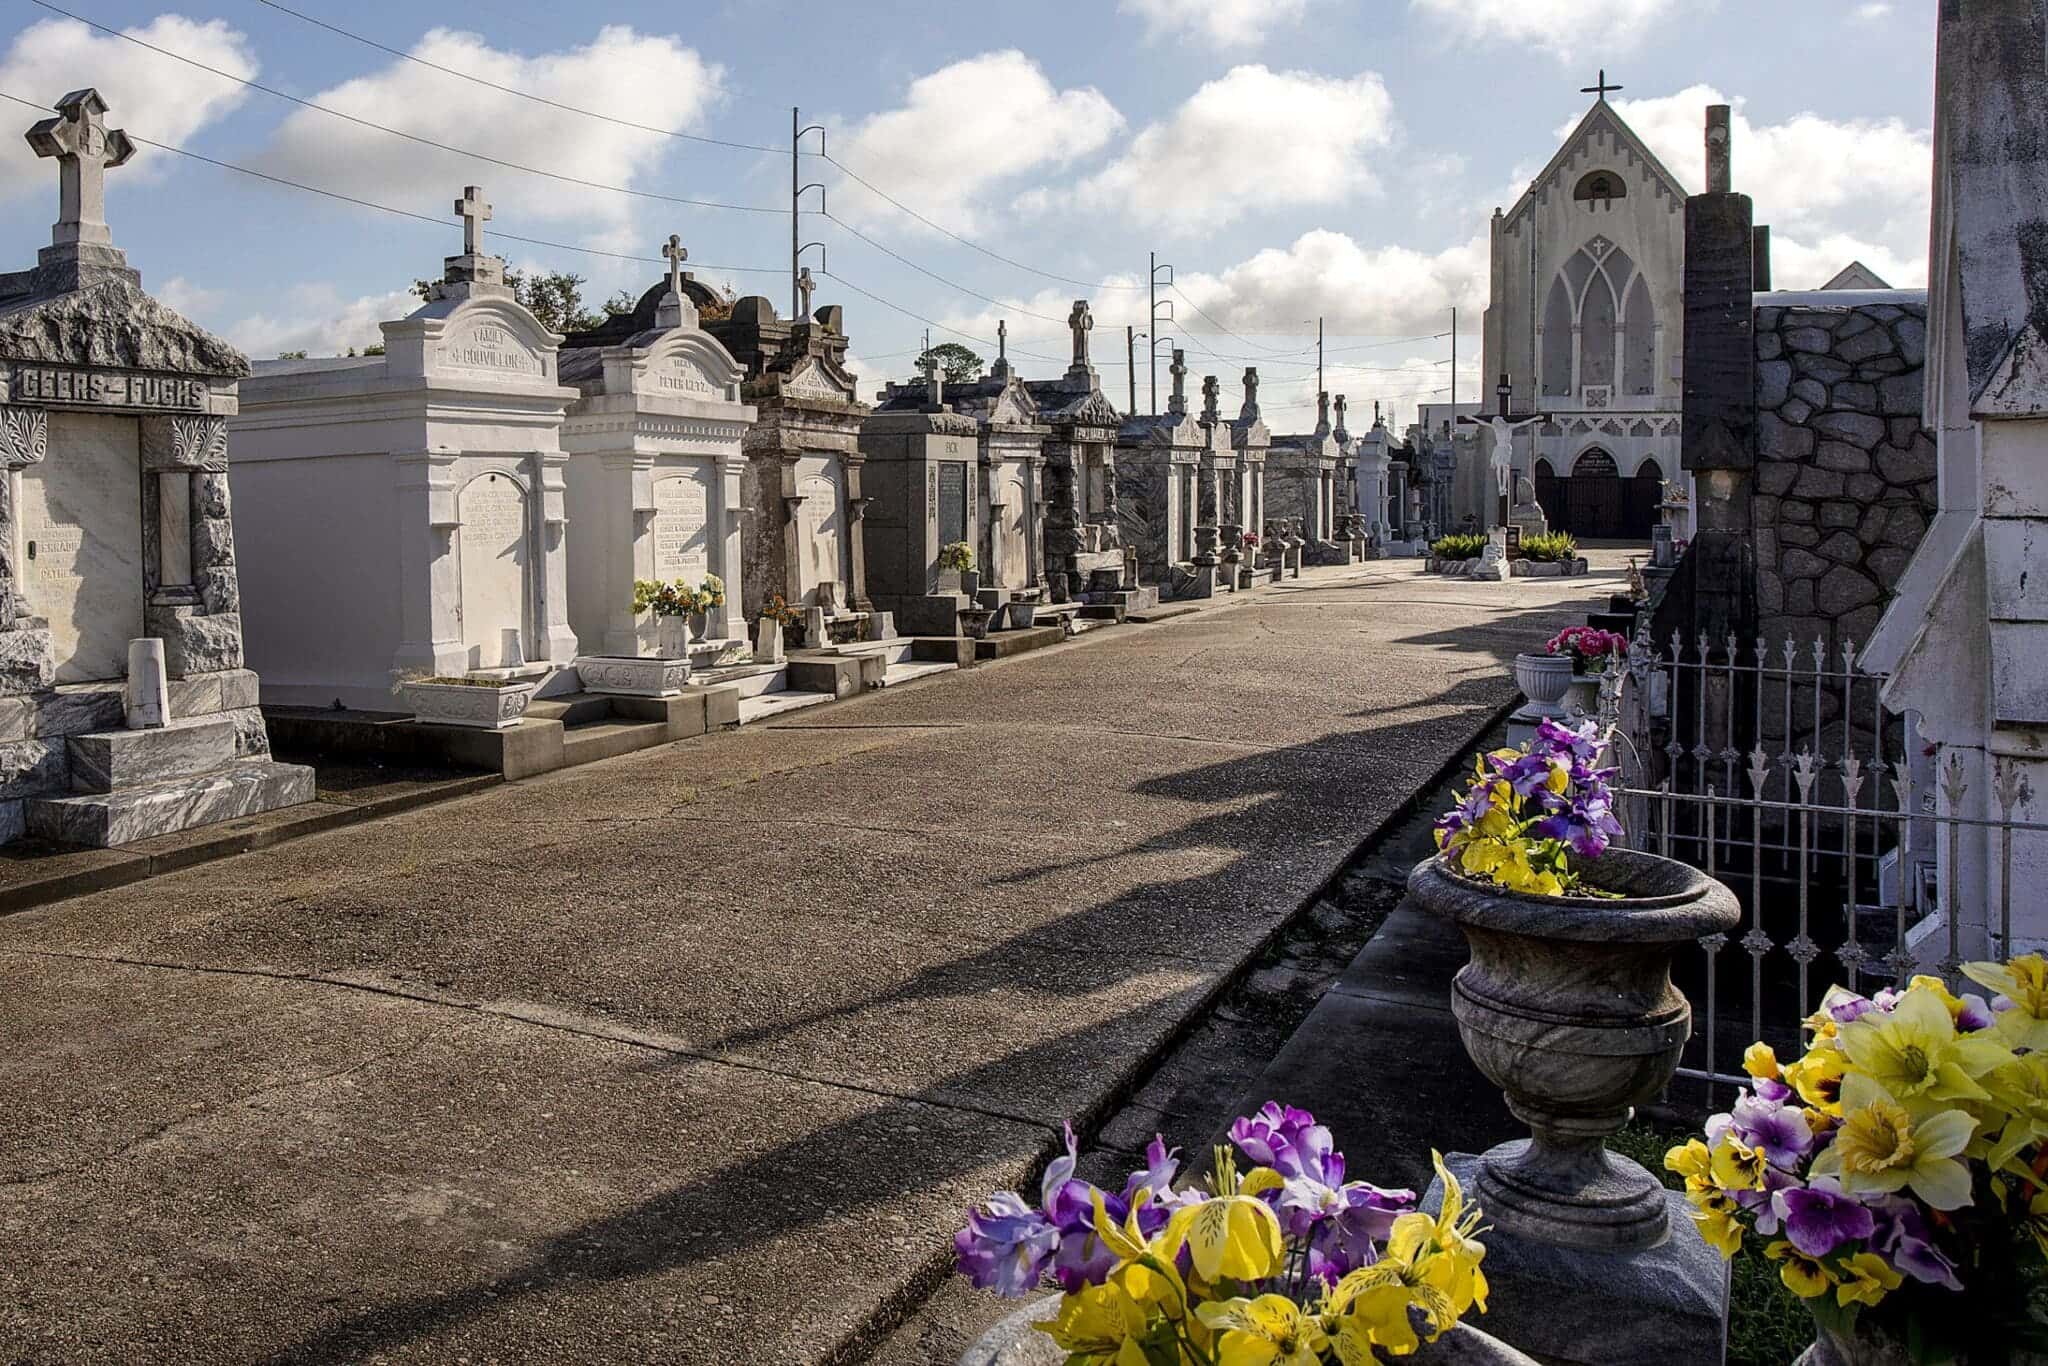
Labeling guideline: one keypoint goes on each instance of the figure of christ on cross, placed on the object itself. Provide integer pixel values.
(86, 149)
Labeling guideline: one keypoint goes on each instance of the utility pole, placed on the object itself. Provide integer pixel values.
(1131, 363)
(1320, 386)
(1152, 342)
(796, 194)
(1454, 362)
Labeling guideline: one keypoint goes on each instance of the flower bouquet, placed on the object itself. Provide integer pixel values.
(1897, 1172)
(1279, 1260)
(672, 599)
(1249, 540)
(1589, 648)
(1530, 810)
(778, 610)
(956, 555)
(710, 593)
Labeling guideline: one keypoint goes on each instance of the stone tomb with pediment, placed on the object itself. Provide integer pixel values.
(1251, 442)
(654, 487)
(922, 464)
(116, 547)
(407, 513)
(1085, 555)
(1159, 462)
(1302, 484)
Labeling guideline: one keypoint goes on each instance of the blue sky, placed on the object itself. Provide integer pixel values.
(1289, 157)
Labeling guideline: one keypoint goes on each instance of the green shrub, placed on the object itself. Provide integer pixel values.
(1558, 545)
(1458, 547)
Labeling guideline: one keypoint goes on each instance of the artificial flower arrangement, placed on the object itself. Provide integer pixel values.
(1285, 1262)
(1530, 811)
(956, 555)
(1249, 539)
(1589, 647)
(710, 593)
(674, 599)
(1899, 1168)
(778, 610)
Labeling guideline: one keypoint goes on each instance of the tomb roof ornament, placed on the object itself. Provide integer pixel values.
(675, 309)
(806, 284)
(85, 149)
(473, 267)
(1250, 411)
(1081, 322)
(1211, 413)
(1001, 369)
(1177, 403)
(1340, 433)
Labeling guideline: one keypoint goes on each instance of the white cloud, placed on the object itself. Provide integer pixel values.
(1359, 289)
(318, 320)
(1873, 12)
(1219, 23)
(652, 80)
(151, 96)
(1854, 186)
(1251, 139)
(965, 128)
(1560, 27)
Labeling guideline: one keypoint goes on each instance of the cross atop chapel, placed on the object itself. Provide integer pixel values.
(86, 149)
(1600, 89)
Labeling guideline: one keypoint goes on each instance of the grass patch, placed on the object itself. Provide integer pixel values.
(1767, 1325)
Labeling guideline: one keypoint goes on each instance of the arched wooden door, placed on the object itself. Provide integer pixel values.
(1593, 497)
(1550, 496)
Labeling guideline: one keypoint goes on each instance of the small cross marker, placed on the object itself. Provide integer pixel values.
(805, 286)
(86, 149)
(1600, 87)
(676, 253)
(474, 213)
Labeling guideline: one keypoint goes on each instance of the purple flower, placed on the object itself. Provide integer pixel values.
(1902, 1239)
(1290, 1142)
(1975, 1014)
(1820, 1218)
(1162, 1164)
(1780, 1130)
(1776, 1092)
(1006, 1246)
(1352, 1237)
(1581, 743)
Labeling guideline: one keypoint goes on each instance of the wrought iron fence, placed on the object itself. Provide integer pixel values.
(1777, 770)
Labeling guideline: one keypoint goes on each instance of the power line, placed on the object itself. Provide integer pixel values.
(400, 133)
(514, 90)
(392, 209)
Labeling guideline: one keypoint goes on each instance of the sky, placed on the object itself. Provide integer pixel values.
(1286, 160)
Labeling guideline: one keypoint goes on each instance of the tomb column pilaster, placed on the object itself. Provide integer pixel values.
(24, 441)
(551, 479)
(430, 626)
(732, 510)
(856, 534)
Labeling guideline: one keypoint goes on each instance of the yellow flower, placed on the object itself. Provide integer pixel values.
(1715, 1216)
(1145, 1271)
(1915, 1054)
(1881, 1148)
(1431, 1265)
(1760, 1061)
(2018, 1114)
(1097, 1322)
(1269, 1331)
(1802, 1275)
(1692, 1161)
(1230, 1237)
(2023, 981)
(1736, 1168)
(1817, 1078)
(1866, 1279)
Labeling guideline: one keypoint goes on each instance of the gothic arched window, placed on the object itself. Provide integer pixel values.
(1557, 339)
(1639, 342)
(1596, 333)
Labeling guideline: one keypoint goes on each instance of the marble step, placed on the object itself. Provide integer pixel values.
(764, 705)
(907, 669)
(244, 787)
(572, 709)
(586, 744)
(108, 760)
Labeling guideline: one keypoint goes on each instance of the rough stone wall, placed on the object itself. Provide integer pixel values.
(1845, 470)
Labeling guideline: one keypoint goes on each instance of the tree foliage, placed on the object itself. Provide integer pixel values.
(957, 364)
(555, 297)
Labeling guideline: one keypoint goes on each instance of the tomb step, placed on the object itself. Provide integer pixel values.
(102, 761)
(753, 682)
(246, 787)
(765, 705)
(920, 668)
(1003, 644)
(586, 744)
(571, 709)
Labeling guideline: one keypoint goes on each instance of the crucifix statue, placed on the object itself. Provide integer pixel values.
(86, 149)
(1177, 404)
(804, 286)
(1082, 322)
(474, 214)
(676, 253)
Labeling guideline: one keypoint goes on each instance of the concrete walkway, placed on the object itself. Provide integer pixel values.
(697, 1054)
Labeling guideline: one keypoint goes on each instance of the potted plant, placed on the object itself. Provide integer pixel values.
(1275, 1259)
(1588, 648)
(473, 703)
(958, 555)
(1567, 1003)
(1897, 1172)
(673, 604)
(777, 616)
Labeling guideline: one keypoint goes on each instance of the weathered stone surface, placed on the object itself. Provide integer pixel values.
(1799, 600)
(1795, 511)
(195, 696)
(202, 644)
(1857, 398)
(1906, 466)
(1864, 487)
(251, 739)
(1858, 428)
(1912, 335)
(1840, 455)
(1842, 548)
(1826, 369)
(1811, 392)
(1776, 479)
(1863, 346)
(1808, 339)
(30, 767)
(1792, 533)
(17, 718)
(1840, 513)
(79, 708)
(1801, 564)
(1870, 529)
(26, 664)
(245, 788)
(1773, 383)
(1815, 483)
(114, 324)
(1844, 589)
(111, 759)
(1795, 411)
(1768, 346)
(238, 689)
(1778, 440)
(1888, 562)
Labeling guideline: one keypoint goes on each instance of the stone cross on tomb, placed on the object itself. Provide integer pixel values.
(474, 213)
(86, 149)
(805, 284)
(1343, 405)
(1323, 408)
(1251, 393)
(1178, 403)
(1082, 322)
(1600, 88)
(1210, 391)
(1002, 339)
(676, 253)
(932, 383)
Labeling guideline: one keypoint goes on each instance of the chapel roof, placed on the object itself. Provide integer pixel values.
(1602, 117)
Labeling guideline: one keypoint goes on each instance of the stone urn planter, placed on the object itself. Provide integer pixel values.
(699, 623)
(1567, 1005)
(1023, 614)
(478, 706)
(1543, 679)
(974, 622)
(1013, 1342)
(1581, 695)
(1872, 1342)
(672, 637)
(970, 582)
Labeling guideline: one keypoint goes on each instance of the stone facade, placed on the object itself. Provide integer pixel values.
(1845, 475)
